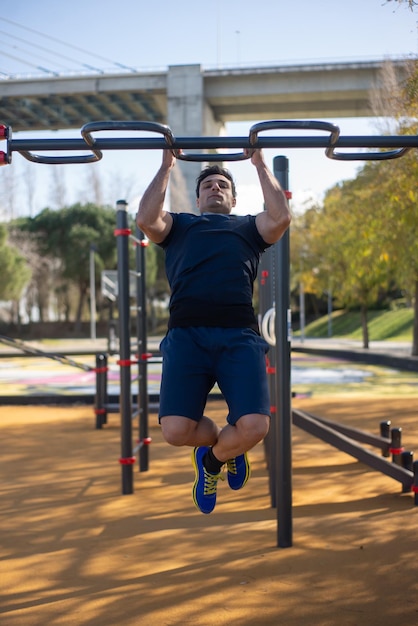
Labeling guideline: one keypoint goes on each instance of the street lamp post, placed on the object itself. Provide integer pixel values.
(93, 249)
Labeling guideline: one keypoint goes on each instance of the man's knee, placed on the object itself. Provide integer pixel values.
(253, 427)
(177, 430)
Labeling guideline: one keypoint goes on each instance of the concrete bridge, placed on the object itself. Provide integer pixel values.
(193, 101)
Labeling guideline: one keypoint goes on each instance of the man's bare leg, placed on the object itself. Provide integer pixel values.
(227, 443)
(234, 440)
(182, 431)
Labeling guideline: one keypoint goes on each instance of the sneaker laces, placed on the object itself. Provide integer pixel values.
(211, 481)
(232, 466)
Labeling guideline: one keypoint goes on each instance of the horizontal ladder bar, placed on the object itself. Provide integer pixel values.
(212, 143)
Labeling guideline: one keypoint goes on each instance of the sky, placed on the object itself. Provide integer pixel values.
(73, 36)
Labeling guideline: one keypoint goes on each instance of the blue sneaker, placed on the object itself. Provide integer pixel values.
(239, 471)
(204, 488)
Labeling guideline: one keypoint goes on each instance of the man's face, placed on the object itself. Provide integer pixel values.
(215, 195)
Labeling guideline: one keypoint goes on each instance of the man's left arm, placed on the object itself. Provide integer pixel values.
(275, 219)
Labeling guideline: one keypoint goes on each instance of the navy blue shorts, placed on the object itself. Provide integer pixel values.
(196, 358)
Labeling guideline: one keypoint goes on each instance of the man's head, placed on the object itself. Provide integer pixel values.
(215, 190)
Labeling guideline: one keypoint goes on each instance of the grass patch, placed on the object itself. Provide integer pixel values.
(383, 325)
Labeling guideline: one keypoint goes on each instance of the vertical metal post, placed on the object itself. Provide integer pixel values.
(142, 350)
(283, 387)
(93, 249)
(385, 432)
(122, 245)
(101, 390)
(415, 483)
(396, 447)
(266, 302)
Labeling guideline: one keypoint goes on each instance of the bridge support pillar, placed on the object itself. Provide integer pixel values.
(188, 115)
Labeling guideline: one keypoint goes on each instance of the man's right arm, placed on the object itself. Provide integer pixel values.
(151, 218)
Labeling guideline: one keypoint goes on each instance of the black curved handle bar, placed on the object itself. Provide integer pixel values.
(152, 127)
(332, 129)
(365, 156)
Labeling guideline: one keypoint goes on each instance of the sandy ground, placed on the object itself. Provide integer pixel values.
(74, 551)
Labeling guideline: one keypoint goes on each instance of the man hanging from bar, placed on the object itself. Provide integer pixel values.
(211, 263)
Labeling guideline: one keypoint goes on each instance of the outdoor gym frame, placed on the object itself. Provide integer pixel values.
(389, 147)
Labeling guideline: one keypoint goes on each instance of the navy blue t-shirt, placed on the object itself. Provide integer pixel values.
(211, 263)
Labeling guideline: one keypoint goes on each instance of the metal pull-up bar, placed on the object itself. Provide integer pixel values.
(391, 146)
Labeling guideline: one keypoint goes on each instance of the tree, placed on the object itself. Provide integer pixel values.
(15, 273)
(393, 185)
(395, 182)
(43, 271)
(348, 246)
(58, 244)
(366, 236)
(410, 3)
(367, 233)
(306, 258)
(67, 235)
